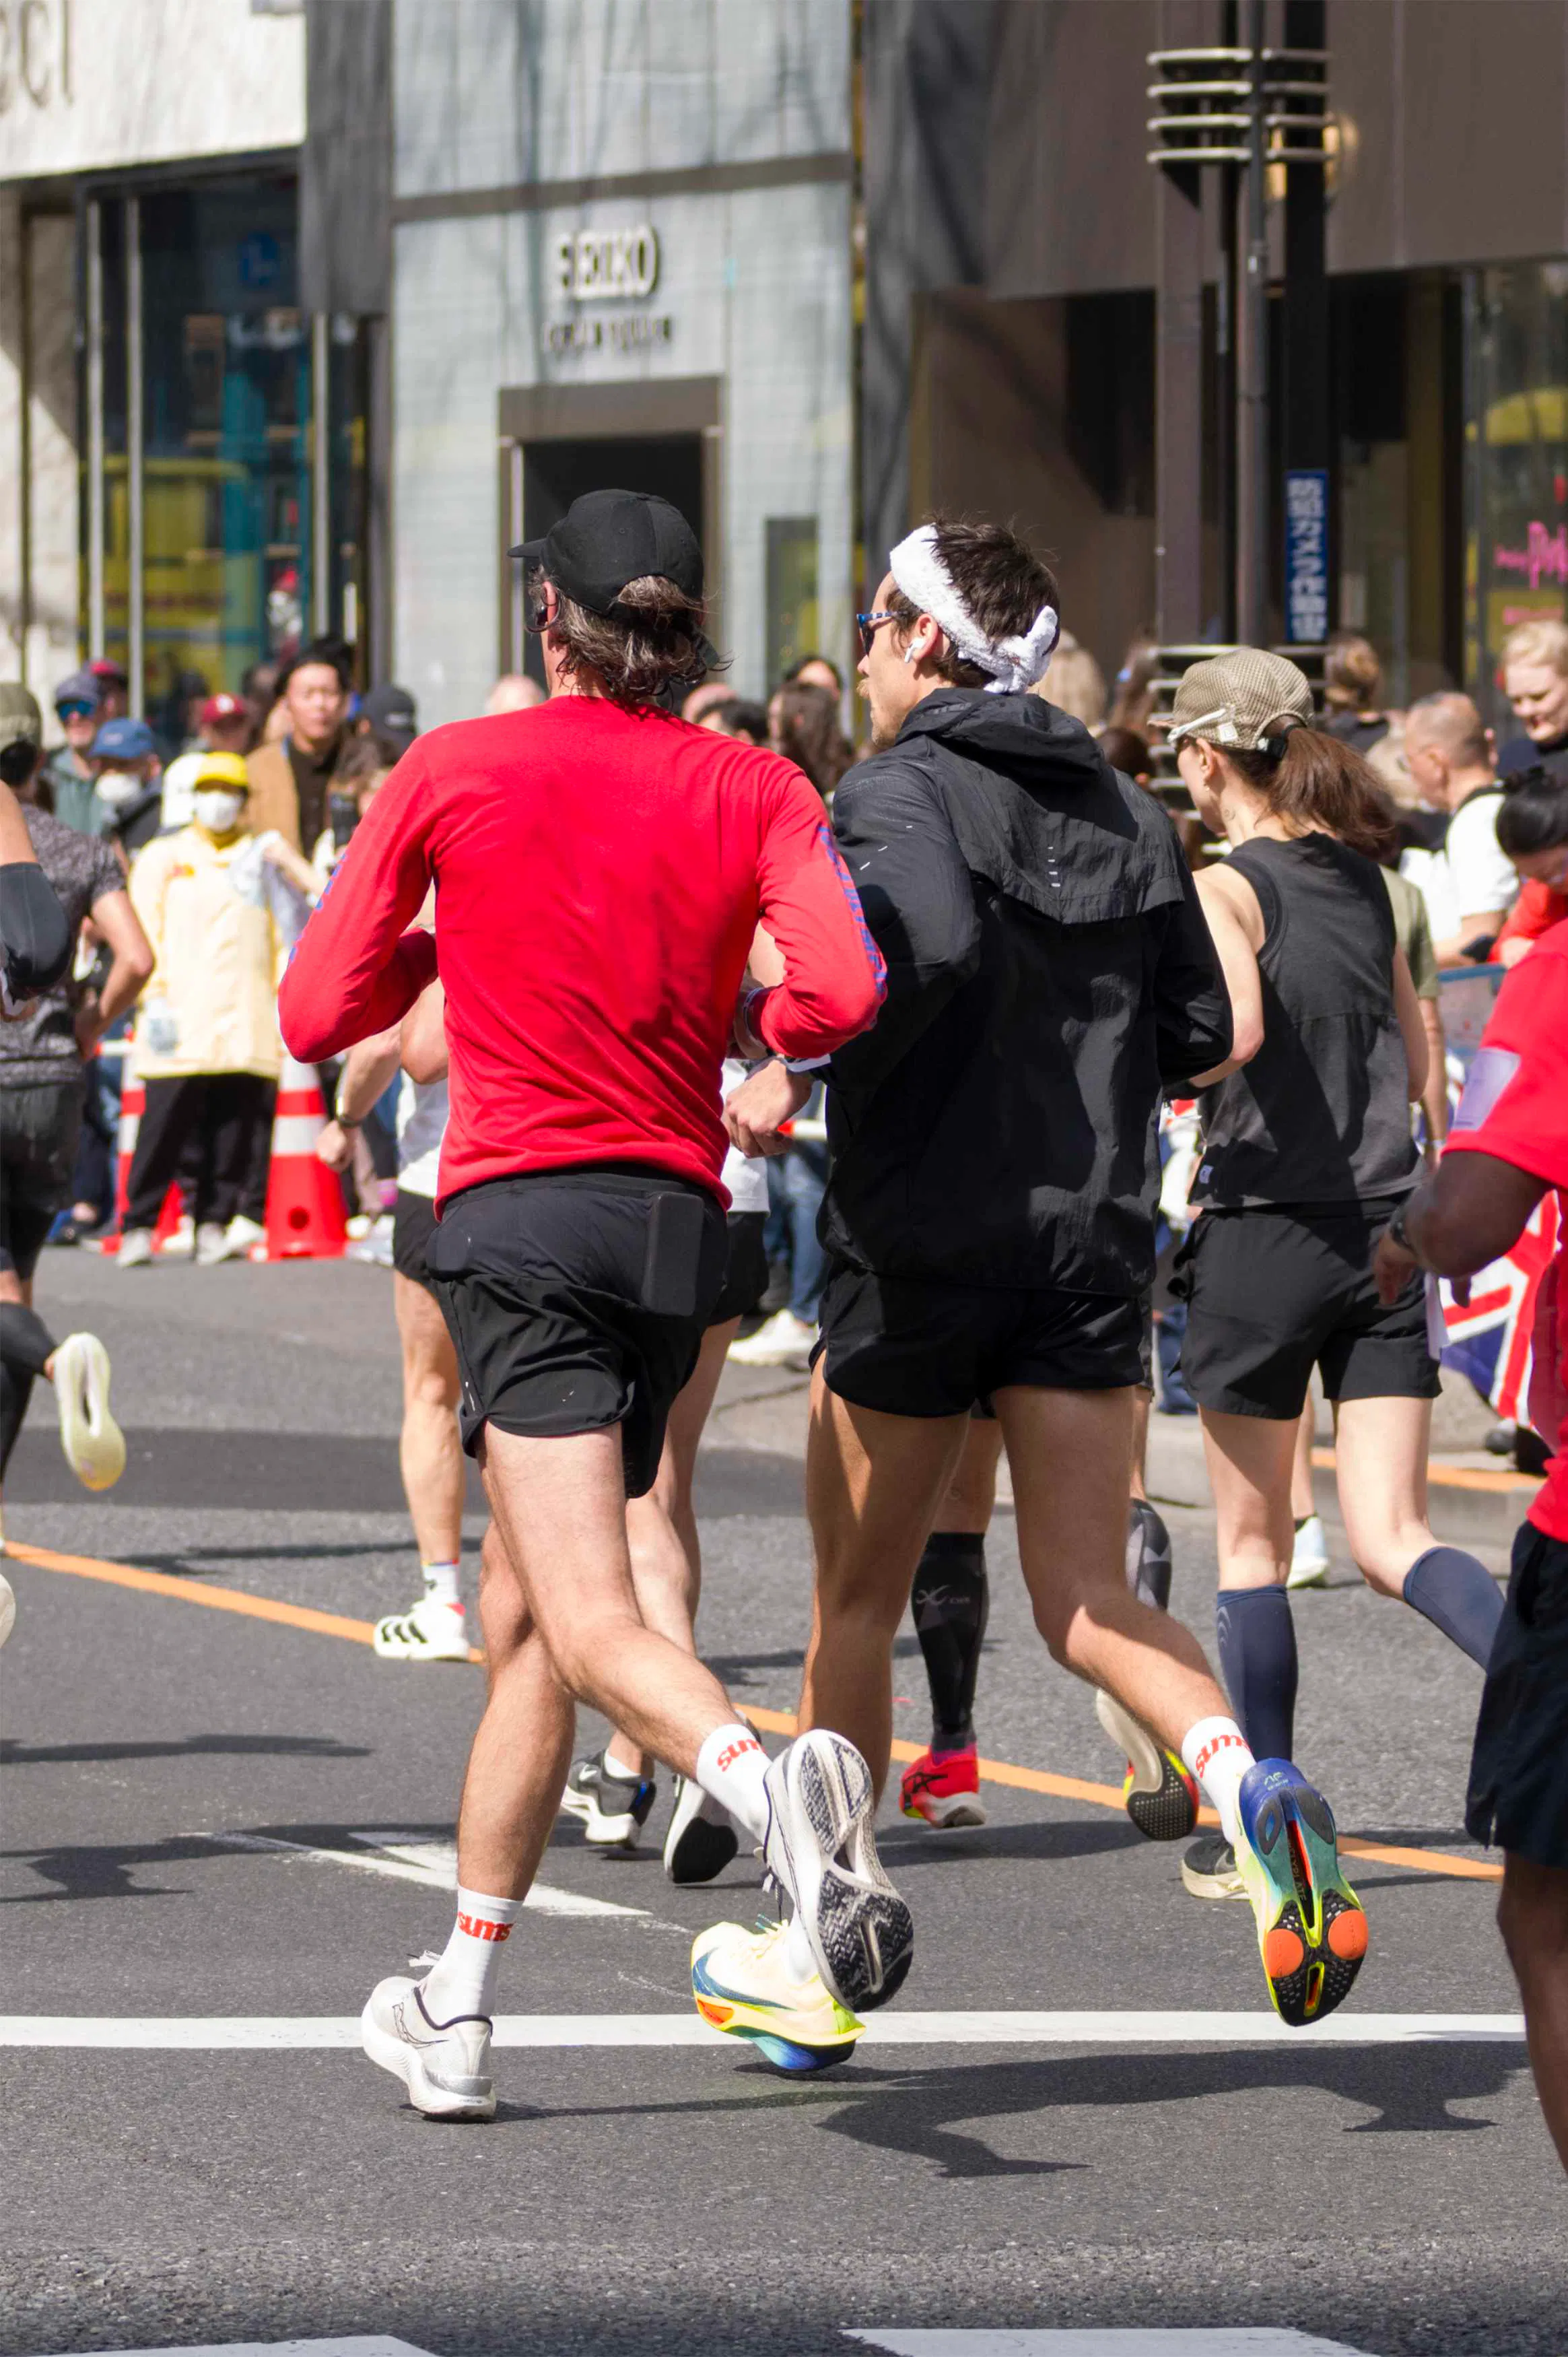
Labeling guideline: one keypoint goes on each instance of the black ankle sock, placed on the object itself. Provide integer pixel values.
(1148, 1555)
(24, 1340)
(1257, 1654)
(950, 1601)
(1458, 1595)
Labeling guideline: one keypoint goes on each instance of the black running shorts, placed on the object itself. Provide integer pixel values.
(911, 1346)
(1271, 1293)
(577, 1300)
(413, 1224)
(745, 1267)
(1519, 1771)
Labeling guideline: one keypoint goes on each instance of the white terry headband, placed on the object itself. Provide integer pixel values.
(1013, 663)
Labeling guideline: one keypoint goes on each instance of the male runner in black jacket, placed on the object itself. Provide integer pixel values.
(990, 1216)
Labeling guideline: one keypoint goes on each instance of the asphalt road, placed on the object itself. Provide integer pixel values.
(185, 1790)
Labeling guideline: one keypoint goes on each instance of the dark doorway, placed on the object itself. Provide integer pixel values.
(555, 473)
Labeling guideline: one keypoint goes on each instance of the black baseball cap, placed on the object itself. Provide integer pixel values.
(390, 710)
(608, 538)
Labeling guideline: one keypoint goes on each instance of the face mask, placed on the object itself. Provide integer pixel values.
(219, 814)
(117, 786)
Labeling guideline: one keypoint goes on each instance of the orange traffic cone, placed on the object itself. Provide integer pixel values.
(305, 1202)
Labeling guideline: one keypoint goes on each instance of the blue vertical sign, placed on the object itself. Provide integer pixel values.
(1306, 554)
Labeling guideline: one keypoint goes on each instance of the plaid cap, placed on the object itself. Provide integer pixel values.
(1246, 700)
(21, 722)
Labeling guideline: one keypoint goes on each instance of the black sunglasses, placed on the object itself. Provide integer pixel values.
(868, 625)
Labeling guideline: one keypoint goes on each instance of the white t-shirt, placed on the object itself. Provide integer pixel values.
(1469, 874)
(421, 1127)
(746, 1178)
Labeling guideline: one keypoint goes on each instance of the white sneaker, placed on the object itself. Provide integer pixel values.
(93, 1443)
(7, 1608)
(445, 2065)
(431, 1632)
(785, 1341)
(820, 1850)
(182, 1244)
(244, 1232)
(213, 1244)
(135, 1248)
(1309, 1559)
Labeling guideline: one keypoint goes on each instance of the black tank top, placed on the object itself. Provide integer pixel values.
(1321, 1115)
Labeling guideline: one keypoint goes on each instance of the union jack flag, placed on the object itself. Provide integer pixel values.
(1488, 1339)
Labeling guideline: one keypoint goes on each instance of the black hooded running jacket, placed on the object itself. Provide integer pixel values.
(1048, 968)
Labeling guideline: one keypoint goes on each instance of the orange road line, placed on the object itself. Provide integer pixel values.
(1461, 1476)
(771, 1722)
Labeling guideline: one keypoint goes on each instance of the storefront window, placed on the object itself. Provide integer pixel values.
(1517, 453)
(233, 539)
(794, 631)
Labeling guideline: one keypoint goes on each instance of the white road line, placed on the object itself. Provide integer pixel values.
(435, 1864)
(370, 2344)
(1114, 2340)
(288, 2032)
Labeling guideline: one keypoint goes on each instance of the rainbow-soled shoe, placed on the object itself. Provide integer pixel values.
(741, 1985)
(1158, 1793)
(1312, 1930)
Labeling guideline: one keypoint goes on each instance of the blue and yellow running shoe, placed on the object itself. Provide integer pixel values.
(1312, 1932)
(742, 1986)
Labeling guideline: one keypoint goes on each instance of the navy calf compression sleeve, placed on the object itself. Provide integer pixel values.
(1257, 1654)
(1458, 1595)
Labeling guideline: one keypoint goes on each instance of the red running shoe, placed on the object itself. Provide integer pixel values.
(944, 1791)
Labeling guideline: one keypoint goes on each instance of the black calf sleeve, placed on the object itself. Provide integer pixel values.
(15, 1391)
(24, 1340)
(1148, 1555)
(950, 1601)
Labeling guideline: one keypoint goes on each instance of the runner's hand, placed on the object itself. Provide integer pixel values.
(754, 1114)
(335, 1147)
(1392, 1268)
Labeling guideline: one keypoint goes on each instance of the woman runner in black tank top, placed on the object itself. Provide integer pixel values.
(1307, 1154)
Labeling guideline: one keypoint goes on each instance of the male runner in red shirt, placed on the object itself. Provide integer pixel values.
(1508, 1147)
(601, 867)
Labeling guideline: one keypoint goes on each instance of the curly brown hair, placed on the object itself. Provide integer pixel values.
(810, 734)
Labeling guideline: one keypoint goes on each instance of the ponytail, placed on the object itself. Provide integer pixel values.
(1316, 780)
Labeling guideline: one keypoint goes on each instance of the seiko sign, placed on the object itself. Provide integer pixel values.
(608, 265)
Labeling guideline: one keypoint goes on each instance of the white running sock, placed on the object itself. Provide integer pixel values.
(463, 1980)
(441, 1583)
(614, 1767)
(1218, 1753)
(730, 1768)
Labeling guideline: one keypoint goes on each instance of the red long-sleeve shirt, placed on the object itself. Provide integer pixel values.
(598, 877)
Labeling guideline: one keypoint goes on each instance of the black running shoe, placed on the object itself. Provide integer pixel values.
(1209, 1870)
(612, 1809)
(702, 1838)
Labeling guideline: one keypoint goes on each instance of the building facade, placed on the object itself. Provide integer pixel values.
(308, 311)
(1010, 365)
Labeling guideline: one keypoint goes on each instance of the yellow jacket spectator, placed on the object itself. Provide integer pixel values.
(221, 916)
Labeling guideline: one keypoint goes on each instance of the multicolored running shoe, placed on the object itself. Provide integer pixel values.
(741, 1985)
(1158, 1793)
(943, 1789)
(1312, 1930)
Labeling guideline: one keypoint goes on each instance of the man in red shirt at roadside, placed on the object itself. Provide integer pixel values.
(601, 867)
(1508, 1147)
